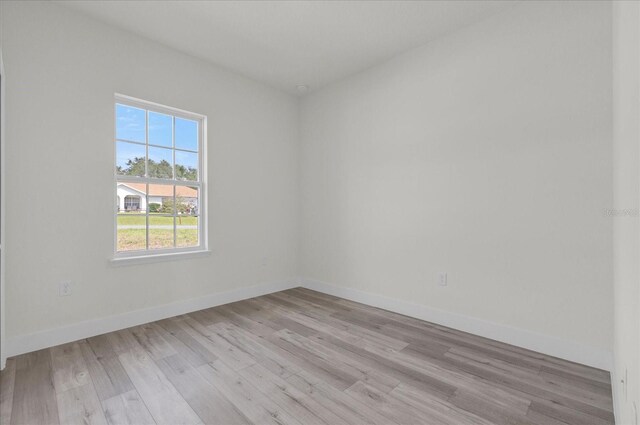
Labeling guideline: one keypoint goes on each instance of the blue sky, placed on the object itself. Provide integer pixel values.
(186, 134)
(126, 151)
(130, 125)
(160, 129)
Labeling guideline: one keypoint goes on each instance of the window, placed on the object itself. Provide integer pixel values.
(159, 179)
(131, 203)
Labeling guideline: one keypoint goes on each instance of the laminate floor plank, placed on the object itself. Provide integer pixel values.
(347, 331)
(283, 320)
(34, 395)
(394, 409)
(542, 419)
(323, 300)
(437, 411)
(349, 365)
(256, 324)
(469, 384)
(294, 401)
(330, 372)
(245, 396)
(564, 387)
(152, 341)
(376, 315)
(487, 410)
(108, 376)
(127, 409)
(122, 341)
(534, 390)
(321, 326)
(69, 367)
(230, 355)
(80, 406)
(252, 345)
(284, 301)
(421, 340)
(338, 402)
(299, 357)
(184, 344)
(207, 316)
(598, 393)
(402, 372)
(567, 414)
(296, 303)
(7, 382)
(205, 399)
(164, 402)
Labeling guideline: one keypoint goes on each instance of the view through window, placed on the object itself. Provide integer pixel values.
(159, 184)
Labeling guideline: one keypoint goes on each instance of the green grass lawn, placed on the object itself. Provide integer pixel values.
(135, 239)
(131, 219)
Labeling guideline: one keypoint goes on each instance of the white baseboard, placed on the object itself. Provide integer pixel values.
(51, 337)
(546, 344)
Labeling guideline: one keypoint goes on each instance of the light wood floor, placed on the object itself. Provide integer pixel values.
(298, 357)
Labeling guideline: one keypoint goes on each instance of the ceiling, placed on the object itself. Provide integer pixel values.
(291, 43)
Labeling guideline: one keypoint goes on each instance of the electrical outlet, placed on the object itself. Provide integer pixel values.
(442, 279)
(64, 289)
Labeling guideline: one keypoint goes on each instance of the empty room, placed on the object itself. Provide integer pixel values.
(322, 212)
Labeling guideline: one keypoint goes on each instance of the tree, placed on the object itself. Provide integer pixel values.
(162, 169)
(181, 205)
(186, 173)
(133, 167)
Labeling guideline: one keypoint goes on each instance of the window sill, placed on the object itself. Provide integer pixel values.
(158, 258)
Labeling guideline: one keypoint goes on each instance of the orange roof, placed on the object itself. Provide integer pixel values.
(163, 190)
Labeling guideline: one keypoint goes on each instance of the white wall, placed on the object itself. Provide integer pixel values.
(626, 225)
(3, 345)
(63, 70)
(485, 154)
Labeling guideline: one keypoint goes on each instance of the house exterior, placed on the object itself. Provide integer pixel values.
(132, 197)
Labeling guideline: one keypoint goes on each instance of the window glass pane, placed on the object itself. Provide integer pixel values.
(131, 196)
(186, 134)
(130, 123)
(187, 200)
(161, 210)
(131, 239)
(160, 163)
(130, 159)
(160, 231)
(186, 166)
(160, 129)
(187, 220)
(186, 231)
(161, 200)
(131, 218)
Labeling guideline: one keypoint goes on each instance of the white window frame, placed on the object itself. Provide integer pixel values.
(146, 254)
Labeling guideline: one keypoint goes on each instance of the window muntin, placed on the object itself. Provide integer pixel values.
(159, 179)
